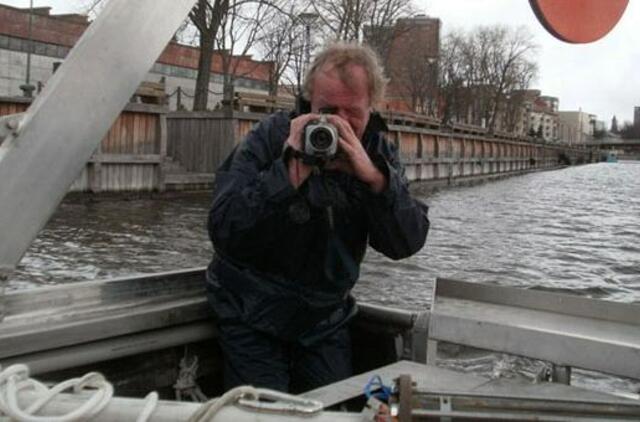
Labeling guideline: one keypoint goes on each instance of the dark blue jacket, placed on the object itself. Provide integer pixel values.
(278, 265)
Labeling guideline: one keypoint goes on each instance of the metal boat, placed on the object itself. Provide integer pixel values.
(156, 332)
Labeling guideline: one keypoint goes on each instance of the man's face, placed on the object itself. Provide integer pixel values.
(349, 101)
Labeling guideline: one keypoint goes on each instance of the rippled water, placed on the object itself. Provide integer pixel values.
(575, 230)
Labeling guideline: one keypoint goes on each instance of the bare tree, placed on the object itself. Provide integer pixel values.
(509, 65)
(279, 42)
(342, 20)
(239, 31)
(294, 73)
(452, 77)
(479, 71)
(207, 16)
(348, 20)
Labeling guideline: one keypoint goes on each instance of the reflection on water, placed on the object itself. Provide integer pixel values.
(575, 230)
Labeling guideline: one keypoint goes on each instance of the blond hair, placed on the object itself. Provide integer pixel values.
(340, 56)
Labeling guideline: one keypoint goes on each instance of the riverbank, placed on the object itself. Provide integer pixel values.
(149, 149)
(419, 187)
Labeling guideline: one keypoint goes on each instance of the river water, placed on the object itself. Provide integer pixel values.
(575, 230)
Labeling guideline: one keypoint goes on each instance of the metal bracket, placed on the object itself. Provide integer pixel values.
(10, 125)
(274, 401)
(446, 407)
(561, 374)
(412, 344)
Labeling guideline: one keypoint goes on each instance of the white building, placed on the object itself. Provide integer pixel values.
(576, 127)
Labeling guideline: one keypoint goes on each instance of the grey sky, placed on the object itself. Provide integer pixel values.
(601, 78)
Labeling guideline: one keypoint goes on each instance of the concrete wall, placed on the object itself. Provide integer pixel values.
(13, 65)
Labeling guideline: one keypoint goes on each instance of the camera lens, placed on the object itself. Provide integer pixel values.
(321, 138)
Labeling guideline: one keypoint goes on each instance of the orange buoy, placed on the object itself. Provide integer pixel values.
(579, 21)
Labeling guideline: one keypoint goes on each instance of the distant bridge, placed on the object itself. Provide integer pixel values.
(625, 148)
(614, 142)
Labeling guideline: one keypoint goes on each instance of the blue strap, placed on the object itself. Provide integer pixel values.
(375, 388)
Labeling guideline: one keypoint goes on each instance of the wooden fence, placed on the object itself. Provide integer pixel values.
(144, 140)
(435, 155)
(129, 157)
(201, 141)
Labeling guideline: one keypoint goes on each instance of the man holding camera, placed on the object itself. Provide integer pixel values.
(294, 208)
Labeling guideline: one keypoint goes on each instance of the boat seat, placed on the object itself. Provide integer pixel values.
(563, 329)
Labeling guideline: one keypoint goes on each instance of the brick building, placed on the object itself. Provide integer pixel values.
(411, 62)
(54, 35)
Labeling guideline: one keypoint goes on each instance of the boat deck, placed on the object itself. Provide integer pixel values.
(430, 378)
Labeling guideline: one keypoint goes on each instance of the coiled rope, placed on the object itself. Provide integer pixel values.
(15, 379)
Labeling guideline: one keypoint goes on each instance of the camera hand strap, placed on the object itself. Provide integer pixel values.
(317, 170)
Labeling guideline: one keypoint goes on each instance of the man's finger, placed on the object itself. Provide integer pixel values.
(301, 121)
(343, 127)
(348, 148)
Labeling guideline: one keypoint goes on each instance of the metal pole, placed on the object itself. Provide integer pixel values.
(30, 49)
(51, 144)
(307, 19)
(307, 47)
(28, 88)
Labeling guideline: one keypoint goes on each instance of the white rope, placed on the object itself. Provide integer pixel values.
(151, 402)
(186, 385)
(15, 379)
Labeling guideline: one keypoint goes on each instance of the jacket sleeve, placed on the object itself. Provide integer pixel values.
(251, 194)
(398, 224)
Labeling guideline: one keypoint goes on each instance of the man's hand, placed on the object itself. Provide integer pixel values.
(354, 159)
(298, 171)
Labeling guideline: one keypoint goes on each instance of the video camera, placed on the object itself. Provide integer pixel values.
(320, 138)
